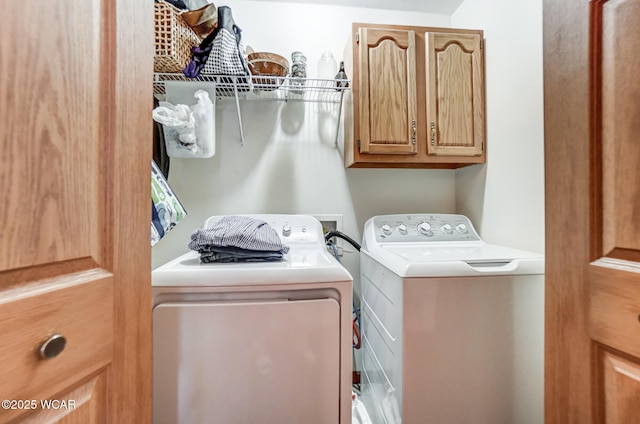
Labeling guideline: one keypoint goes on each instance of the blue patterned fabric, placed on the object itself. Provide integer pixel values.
(235, 254)
(238, 238)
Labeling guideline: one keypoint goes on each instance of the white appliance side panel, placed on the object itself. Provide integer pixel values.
(474, 350)
(382, 333)
(268, 362)
(528, 366)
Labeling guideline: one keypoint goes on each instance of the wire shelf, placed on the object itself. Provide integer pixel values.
(264, 87)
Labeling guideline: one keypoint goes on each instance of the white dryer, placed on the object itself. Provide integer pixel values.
(260, 342)
(453, 327)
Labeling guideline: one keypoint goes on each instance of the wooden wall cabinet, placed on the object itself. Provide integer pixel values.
(417, 98)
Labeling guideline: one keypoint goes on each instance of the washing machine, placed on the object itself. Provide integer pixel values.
(452, 327)
(254, 342)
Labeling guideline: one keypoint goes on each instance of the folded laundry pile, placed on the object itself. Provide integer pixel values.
(238, 239)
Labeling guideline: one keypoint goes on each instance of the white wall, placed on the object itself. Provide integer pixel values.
(288, 163)
(289, 170)
(505, 197)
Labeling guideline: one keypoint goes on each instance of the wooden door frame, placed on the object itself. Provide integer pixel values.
(131, 372)
(567, 132)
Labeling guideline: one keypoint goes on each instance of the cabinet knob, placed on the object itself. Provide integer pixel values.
(53, 346)
(433, 133)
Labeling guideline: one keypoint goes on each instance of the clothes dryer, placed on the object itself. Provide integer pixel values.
(254, 342)
(453, 327)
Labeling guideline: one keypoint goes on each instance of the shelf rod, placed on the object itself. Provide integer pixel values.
(335, 142)
(235, 89)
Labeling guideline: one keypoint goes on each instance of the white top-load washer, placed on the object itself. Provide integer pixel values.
(254, 342)
(453, 327)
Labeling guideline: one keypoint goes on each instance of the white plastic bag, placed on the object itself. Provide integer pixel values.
(189, 131)
(204, 115)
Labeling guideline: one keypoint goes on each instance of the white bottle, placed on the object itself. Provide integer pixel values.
(327, 68)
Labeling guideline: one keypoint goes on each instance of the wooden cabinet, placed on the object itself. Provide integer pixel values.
(417, 98)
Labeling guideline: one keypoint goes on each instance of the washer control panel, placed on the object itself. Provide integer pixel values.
(423, 227)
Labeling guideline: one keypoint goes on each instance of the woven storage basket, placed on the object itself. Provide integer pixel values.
(174, 39)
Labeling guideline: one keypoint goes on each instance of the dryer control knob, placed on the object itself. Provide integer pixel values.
(446, 228)
(462, 228)
(402, 229)
(386, 229)
(424, 228)
(286, 230)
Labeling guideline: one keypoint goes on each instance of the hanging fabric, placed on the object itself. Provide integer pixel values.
(221, 52)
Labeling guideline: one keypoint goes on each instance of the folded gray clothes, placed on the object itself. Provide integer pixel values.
(234, 254)
(241, 232)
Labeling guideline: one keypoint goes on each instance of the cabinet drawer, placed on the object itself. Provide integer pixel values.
(80, 311)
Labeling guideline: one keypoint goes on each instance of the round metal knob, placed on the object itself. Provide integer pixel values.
(53, 346)
(461, 228)
(424, 228)
(402, 229)
(286, 230)
(446, 228)
(386, 228)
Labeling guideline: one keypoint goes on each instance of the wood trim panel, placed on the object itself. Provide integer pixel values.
(568, 357)
(126, 207)
(615, 308)
(16, 277)
(595, 123)
(620, 108)
(84, 404)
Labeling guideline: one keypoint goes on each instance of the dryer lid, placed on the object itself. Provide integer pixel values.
(298, 266)
(307, 260)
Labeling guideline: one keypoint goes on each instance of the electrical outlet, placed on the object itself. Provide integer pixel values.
(331, 222)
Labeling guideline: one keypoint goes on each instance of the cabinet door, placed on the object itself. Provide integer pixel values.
(621, 385)
(75, 290)
(388, 106)
(592, 287)
(455, 94)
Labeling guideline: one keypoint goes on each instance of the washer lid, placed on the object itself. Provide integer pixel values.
(455, 259)
(300, 265)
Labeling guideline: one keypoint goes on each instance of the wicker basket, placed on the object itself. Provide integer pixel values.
(174, 39)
